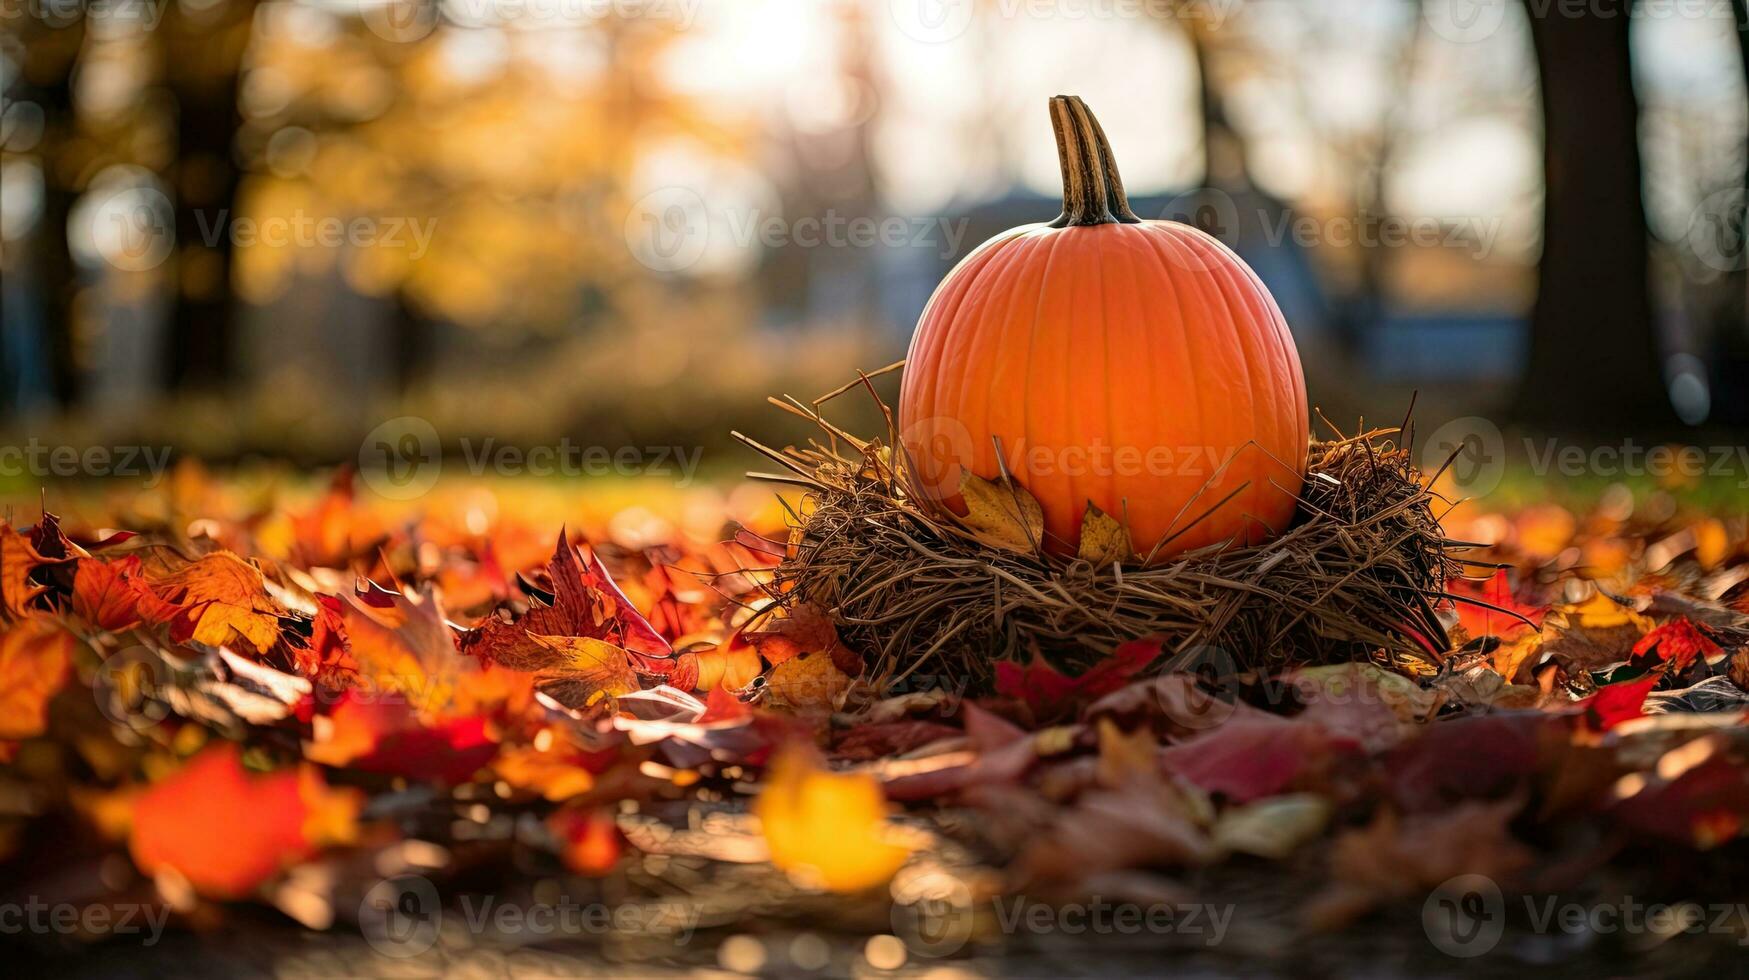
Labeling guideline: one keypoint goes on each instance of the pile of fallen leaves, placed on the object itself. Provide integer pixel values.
(218, 706)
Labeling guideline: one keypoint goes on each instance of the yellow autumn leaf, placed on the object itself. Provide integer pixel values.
(1273, 828)
(1602, 612)
(589, 669)
(223, 596)
(808, 680)
(1712, 543)
(1104, 539)
(1002, 516)
(824, 829)
(554, 775)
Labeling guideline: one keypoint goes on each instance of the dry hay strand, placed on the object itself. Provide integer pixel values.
(1358, 575)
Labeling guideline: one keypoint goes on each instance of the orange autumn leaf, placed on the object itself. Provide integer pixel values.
(585, 601)
(113, 595)
(18, 559)
(385, 735)
(802, 628)
(227, 830)
(1490, 609)
(222, 598)
(325, 656)
(553, 765)
(826, 830)
(34, 656)
(810, 680)
(733, 664)
(590, 842)
(1544, 530)
(402, 644)
(328, 534)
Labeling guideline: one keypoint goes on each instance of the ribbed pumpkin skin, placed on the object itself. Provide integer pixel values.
(1152, 340)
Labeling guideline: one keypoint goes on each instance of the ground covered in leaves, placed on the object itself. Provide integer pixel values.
(508, 730)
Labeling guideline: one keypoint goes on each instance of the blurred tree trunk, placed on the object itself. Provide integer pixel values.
(1595, 359)
(46, 79)
(1728, 352)
(203, 56)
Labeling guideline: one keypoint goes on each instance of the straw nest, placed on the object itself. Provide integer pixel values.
(1358, 575)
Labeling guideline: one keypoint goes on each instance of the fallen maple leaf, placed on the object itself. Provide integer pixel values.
(581, 672)
(35, 653)
(1250, 758)
(113, 595)
(826, 830)
(385, 735)
(226, 830)
(1135, 816)
(1616, 703)
(325, 655)
(802, 628)
(586, 603)
(19, 559)
(1679, 642)
(1053, 695)
(220, 599)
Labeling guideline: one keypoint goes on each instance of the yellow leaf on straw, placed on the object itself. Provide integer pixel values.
(1001, 516)
(826, 830)
(1104, 539)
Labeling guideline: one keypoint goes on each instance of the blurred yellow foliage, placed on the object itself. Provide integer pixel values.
(826, 830)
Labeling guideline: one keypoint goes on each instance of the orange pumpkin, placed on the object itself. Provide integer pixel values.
(1138, 366)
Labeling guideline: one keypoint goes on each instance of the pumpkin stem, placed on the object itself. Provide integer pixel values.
(1092, 189)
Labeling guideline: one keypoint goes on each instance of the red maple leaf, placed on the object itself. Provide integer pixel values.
(1679, 642)
(1052, 694)
(1616, 703)
(1477, 619)
(586, 603)
(227, 830)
